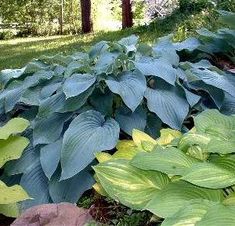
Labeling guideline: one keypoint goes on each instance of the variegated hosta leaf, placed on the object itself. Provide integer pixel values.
(219, 173)
(131, 186)
(126, 149)
(167, 136)
(193, 139)
(169, 160)
(178, 194)
(12, 194)
(202, 212)
(14, 126)
(87, 134)
(139, 137)
(130, 86)
(220, 129)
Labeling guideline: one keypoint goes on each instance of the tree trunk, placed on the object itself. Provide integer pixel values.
(86, 16)
(61, 16)
(127, 17)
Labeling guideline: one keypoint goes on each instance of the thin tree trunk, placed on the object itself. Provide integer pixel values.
(127, 17)
(86, 16)
(61, 17)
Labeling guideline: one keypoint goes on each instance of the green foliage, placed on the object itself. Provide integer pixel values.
(175, 183)
(11, 147)
(78, 104)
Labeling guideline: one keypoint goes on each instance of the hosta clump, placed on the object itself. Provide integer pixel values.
(11, 147)
(188, 179)
(78, 104)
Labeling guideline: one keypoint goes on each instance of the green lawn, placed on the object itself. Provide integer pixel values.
(17, 52)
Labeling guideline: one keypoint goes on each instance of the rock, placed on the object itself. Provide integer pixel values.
(62, 214)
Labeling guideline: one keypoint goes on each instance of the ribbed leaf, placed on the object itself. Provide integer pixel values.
(130, 86)
(77, 84)
(70, 190)
(215, 79)
(36, 185)
(168, 103)
(169, 160)
(220, 129)
(178, 194)
(50, 157)
(88, 133)
(165, 49)
(189, 44)
(219, 174)
(159, 68)
(191, 214)
(131, 120)
(131, 186)
(54, 124)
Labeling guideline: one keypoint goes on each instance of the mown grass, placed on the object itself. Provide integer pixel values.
(17, 52)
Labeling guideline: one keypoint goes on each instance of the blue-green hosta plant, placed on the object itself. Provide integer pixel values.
(187, 179)
(79, 105)
(11, 147)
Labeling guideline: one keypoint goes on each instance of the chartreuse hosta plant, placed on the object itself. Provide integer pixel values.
(11, 148)
(187, 179)
(78, 105)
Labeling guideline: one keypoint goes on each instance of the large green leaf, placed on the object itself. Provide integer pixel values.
(50, 157)
(218, 215)
(10, 210)
(157, 67)
(131, 120)
(166, 50)
(53, 132)
(178, 194)
(14, 126)
(77, 84)
(129, 185)
(88, 133)
(219, 128)
(12, 194)
(202, 212)
(130, 86)
(215, 79)
(70, 190)
(12, 148)
(35, 183)
(217, 174)
(190, 214)
(168, 103)
(169, 160)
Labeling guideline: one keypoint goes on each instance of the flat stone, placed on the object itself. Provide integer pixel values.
(62, 214)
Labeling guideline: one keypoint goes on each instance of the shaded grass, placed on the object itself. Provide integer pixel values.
(17, 52)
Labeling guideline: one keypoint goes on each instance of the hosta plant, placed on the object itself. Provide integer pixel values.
(81, 104)
(11, 148)
(187, 179)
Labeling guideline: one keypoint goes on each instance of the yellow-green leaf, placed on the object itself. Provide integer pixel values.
(11, 194)
(139, 136)
(10, 210)
(14, 126)
(167, 136)
(12, 148)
